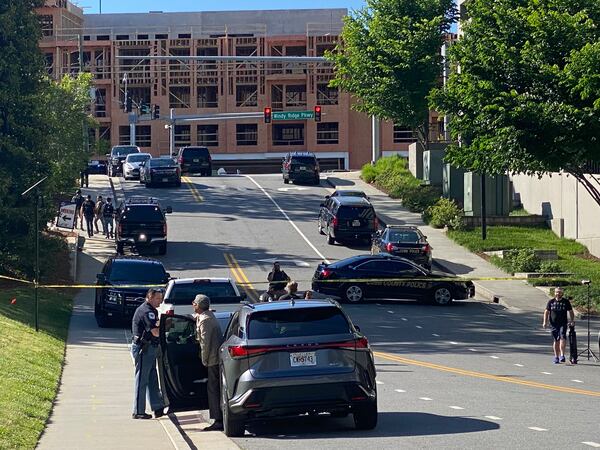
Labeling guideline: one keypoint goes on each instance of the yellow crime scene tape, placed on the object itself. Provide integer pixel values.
(242, 280)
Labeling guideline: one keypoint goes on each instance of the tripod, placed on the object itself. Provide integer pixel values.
(588, 352)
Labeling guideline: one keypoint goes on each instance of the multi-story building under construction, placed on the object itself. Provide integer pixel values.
(110, 46)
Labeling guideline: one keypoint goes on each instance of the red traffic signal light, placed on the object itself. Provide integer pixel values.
(267, 115)
(317, 113)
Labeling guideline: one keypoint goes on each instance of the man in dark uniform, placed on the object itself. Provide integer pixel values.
(144, 328)
(277, 279)
(87, 209)
(556, 311)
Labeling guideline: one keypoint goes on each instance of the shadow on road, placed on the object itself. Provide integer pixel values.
(391, 424)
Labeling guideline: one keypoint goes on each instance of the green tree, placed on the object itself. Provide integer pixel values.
(527, 96)
(389, 58)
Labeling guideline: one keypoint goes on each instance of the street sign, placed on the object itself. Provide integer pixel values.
(293, 115)
(66, 215)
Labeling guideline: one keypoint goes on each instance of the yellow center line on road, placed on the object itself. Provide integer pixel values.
(487, 376)
(241, 277)
(193, 188)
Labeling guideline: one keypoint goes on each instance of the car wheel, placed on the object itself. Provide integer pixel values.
(365, 416)
(442, 296)
(330, 239)
(354, 293)
(232, 426)
(162, 248)
(119, 248)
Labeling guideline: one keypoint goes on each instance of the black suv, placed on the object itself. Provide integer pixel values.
(194, 160)
(116, 157)
(141, 223)
(347, 218)
(302, 167)
(116, 299)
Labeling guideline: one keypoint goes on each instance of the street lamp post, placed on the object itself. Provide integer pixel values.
(36, 281)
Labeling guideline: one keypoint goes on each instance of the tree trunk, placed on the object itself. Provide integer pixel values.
(592, 187)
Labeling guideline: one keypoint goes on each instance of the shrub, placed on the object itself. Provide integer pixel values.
(522, 260)
(444, 213)
(419, 198)
(549, 267)
(368, 173)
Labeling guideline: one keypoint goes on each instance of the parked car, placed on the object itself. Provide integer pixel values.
(131, 165)
(116, 157)
(348, 193)
(385, 276)
(141, 223)
(301, 167)
(282, 358)
(97, 167)
(405, 241)
(346, 218)
(115, 303)
(223, 293)
(194, 160)
(155, 171)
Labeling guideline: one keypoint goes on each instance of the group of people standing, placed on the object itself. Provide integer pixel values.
(282, 287)
(93, 212)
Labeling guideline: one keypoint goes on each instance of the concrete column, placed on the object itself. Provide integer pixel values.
(375, 135)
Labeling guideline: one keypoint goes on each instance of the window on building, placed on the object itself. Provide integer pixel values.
(246, 133)
(295, 50)
(327, 95)
(245, 51)
(47, 25)
(122, 37)
(295, 95)
(142, 37)
(288, 134)
(161, 36)
(183, 136)
(207, 51)
(327, 133)
(208, 135)
(277, 97)
(246, 95)
(49, 61)
(208, 96)
(124, 135)
(139, 95)
(403, 134)
(179, 97)
(184, 35)
(100, 103)
(322, 48)
(103, 37)
(143, 135)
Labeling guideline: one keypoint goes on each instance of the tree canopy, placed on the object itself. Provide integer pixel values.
(525, 93)
(41, 132)
(389, 58)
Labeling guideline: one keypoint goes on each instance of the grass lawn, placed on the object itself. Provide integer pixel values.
(573, 257)
(30, 362)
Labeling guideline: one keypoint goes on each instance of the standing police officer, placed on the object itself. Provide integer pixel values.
(145, 343)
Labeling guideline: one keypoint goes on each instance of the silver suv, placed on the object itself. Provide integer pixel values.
(282, 358)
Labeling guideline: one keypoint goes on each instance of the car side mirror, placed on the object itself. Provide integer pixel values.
(169, 210)
(167, 275)
(327, 196)
(357, 328)
(243, 296)
(174, 154)
(101, 278)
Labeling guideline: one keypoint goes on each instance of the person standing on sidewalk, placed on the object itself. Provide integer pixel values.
(108, 213)
(87, 210)
(144, 328)
(98, 214)
(210, 338)
(78, 200)
(556, 312)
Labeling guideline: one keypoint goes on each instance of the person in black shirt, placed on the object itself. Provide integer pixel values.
(78, 200)
(277, 279)
(88, 208)
(144, 328)
(556, 315)
(108, 213)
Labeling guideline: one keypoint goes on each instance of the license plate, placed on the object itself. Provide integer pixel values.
(356, 223)
(408, 250)
(195, 160)
(303, 359)
(165, 180)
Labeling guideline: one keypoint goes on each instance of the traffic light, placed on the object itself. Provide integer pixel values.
(128, 103)
(317, 113)
(267, 115)
(155, 112)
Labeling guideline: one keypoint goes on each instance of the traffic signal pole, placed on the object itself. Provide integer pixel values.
(171, 131)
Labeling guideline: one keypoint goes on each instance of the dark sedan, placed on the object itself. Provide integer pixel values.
(97, 167)
(157, 171)
(363, 277)
(404, 241)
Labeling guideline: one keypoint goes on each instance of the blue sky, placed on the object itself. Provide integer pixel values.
(121, 6)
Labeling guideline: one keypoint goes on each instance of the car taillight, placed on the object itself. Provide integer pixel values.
(241, 351)
(169, 312)
(362, 342)
(389, 247)
(326, 273)
(180, 160)
(165, 228)
(334, 222)
(426, 248)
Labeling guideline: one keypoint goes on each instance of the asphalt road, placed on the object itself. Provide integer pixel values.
(472, 375)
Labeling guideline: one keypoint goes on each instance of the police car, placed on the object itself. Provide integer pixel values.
(364, 277)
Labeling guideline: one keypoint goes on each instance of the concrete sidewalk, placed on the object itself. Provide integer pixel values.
(448, 255)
